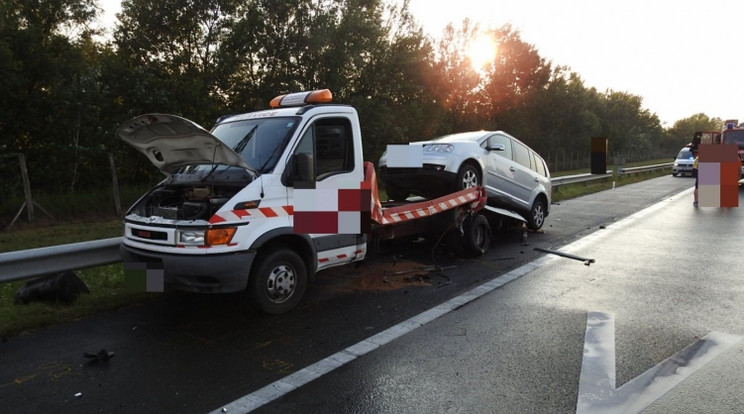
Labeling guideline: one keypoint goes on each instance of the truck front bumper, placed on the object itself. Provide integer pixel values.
(216, 273)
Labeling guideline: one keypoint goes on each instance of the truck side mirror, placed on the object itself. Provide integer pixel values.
(299, 169)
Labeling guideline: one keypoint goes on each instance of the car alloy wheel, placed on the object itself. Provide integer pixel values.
(537, 215)
(467, 177)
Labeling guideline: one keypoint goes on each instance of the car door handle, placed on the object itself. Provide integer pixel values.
(512, 169)
(536, 179)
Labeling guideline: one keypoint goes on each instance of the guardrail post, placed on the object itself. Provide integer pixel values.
(619, 164)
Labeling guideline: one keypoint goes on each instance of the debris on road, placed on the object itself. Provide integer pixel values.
(586, 261)
(62, 287)
(98, 357)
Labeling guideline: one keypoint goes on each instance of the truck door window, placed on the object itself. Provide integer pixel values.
(329, 143)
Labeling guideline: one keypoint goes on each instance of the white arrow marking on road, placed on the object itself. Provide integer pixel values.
(597, 392)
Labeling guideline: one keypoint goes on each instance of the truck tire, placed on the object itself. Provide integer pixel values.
(477, 234)
(536, 217)
(278, 283)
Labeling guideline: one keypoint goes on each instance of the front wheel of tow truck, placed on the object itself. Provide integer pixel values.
(278, 283)
(477, 234)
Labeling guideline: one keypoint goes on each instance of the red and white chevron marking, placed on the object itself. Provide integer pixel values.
(339, 257)
(429, 208)
(253, 213)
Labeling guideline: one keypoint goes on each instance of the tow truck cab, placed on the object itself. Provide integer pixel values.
(225, 214)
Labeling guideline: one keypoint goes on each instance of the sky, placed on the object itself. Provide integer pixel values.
(682, 57)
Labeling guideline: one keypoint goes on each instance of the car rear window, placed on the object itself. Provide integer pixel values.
(539, 165)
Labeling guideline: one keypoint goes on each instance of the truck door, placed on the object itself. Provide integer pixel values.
(329, 145)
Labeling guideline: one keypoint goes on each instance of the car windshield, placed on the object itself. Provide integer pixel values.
(685, 154)
(259, 142)
(734, 137)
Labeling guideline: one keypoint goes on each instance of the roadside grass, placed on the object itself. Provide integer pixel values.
(569, 191)
(106, 283)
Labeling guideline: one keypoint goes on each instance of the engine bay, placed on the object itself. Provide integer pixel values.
(184, 202)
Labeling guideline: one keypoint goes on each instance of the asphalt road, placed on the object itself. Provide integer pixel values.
(665, 277)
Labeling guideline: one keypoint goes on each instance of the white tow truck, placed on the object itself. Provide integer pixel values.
(267, 199)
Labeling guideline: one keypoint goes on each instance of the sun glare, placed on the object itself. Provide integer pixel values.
(482, 51)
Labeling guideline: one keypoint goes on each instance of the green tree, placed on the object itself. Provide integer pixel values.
(453, 79)
(175, 46)
(682, 132)
(517, 74)
(47, 72)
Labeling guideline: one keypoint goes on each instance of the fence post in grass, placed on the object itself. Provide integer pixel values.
(117, 199)
(29, 203)
(26, 188)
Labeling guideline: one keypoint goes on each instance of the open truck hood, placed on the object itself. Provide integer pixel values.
(171, 142)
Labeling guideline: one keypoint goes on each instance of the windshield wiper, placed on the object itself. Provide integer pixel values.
(243, 142)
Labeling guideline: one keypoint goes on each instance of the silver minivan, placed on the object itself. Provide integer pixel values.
(515, 176)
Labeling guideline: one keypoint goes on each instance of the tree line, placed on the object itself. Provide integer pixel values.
(65, 87)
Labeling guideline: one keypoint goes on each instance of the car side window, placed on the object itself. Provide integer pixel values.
(539, 165)
(521, 154)
(329, 142)
(503, 140)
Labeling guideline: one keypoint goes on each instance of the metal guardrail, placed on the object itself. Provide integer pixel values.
(643, 168)
(578, 178)
(24, 264)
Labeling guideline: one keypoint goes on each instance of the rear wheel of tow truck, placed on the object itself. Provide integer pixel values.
(477, 234)
(278, 282)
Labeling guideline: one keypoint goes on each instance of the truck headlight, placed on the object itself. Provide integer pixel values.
(209, 237)
(191, 237)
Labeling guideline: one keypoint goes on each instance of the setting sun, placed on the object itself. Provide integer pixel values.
(482, 51)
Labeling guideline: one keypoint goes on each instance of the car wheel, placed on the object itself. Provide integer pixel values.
(467, 177)
(477, 234)
(674, 174)
(279, 281)
(395, 193)
(536, 217)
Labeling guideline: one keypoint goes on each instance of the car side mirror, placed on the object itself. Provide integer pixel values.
(496, 147)
(299, 169)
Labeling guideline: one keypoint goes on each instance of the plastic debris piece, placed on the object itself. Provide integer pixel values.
(586, 261)
(99, 357)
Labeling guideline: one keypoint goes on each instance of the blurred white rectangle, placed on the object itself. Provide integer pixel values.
(405, 156)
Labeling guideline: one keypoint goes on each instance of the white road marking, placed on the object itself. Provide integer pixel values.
(293, 381)
(597, 392)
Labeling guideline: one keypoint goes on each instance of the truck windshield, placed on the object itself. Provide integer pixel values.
(734, 137)
(259, 142)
